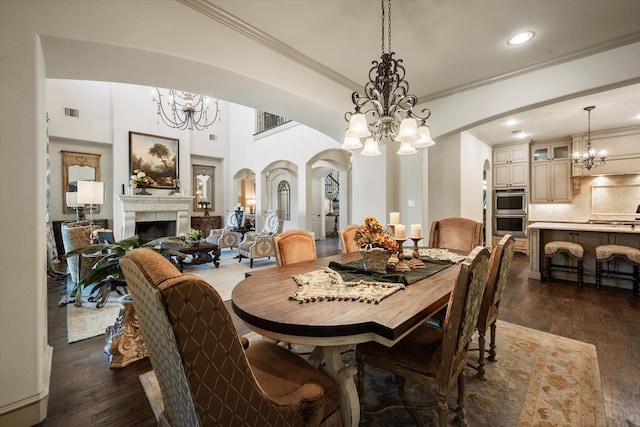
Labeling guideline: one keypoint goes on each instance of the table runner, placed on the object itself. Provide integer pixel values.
(355, 271)
(327, 284)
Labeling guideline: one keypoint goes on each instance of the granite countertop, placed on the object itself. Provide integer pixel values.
(601, 226)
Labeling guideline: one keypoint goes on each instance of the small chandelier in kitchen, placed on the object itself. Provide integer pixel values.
(184, 110)
(385, 112)
(586, 159)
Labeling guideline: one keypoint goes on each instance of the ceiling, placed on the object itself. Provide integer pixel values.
(454, 45)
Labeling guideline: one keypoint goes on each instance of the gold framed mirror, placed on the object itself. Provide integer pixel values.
(78, 167)
(203, 188)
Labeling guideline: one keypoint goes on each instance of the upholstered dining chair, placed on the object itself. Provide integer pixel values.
(261, 245)
(205, 375)
(294, 246)
(499, 265)
(347, 242)
(430, 356)
(459, 234)
(225, 237)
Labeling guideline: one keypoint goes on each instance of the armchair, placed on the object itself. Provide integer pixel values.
(75, 235)
(205, 376)
(260, 245)
(226, 237)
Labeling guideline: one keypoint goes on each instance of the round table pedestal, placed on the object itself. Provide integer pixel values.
(124, 339)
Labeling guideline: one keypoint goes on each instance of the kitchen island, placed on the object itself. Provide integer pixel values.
(590, 235)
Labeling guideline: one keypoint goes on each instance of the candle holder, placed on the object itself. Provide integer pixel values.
(416, 262)
(401, 265)
(393, 259)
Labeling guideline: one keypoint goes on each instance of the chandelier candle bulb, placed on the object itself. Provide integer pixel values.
(400, 232)
(416, 230)
(394, 218)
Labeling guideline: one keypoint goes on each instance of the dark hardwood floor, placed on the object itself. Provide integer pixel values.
(84, 391)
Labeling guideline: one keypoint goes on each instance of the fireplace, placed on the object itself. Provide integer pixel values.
(153, 210)
(148, 231)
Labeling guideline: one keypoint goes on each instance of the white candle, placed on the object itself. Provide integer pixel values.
(394, 218)
(416, 230)
(400, 231)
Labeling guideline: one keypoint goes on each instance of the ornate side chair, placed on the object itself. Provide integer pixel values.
(226, 237)
(75, 235)
(347, 244)
(205, 375)
(261, 245)
(431, 356)
(294, 246)
(499, 265)
(459, 234)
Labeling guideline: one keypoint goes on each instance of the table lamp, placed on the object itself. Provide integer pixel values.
(251, 202)
(72, 202)
(91, 193)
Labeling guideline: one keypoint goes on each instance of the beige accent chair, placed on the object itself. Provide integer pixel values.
(434, 357)
(458, 234)
(347, 242)
(294, 246)
(76, 235)
(226, 237)
(260, 245)
(205, 375)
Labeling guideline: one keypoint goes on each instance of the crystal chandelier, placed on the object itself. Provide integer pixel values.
(586, 159)
(184, 110)
(385, 111)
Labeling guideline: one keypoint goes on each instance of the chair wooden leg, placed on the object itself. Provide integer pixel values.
(251, 263)
(636, 280)
(547, 273)
(598, 274)
(580, 275)
(460, 418)
(492, 349)
(481, 343)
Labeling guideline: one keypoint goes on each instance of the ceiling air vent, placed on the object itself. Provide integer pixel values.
(71, 112)
(212, 137)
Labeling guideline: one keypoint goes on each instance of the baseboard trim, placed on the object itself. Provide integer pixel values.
(33, 409)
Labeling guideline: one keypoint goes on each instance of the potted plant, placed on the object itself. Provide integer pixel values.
(106, 275)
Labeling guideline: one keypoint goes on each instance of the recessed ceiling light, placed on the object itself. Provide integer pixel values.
(512, 122)
(519, 133)
(520, 38)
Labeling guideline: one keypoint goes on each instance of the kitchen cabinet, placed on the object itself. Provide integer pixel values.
(511, 166)
(521, 244)
(551, 173)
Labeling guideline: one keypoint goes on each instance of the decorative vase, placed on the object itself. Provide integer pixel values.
(144, 192)
(193, 242)
(375, 259)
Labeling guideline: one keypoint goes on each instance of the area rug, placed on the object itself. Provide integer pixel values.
(539, 380)
(87, 321)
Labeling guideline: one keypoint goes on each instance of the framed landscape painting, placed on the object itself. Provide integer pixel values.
(157, 156)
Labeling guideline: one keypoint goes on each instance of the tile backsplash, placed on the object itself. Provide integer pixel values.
(609, 197)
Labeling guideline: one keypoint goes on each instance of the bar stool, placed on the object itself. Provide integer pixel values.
(631, 255)
(574, 250)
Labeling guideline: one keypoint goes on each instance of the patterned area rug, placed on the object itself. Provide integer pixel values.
(87, 321)
(539, 380)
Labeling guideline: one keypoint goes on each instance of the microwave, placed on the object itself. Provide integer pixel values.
(516, 225)
(511, 201)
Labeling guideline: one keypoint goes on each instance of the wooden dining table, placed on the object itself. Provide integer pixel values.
(262, 302)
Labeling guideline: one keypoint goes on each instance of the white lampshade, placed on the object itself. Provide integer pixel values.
(370, 148)
(91, 192)
(425, 137)
(406, 148)
(351, 143)
(358, 126)
(72, 200)
(408, 131)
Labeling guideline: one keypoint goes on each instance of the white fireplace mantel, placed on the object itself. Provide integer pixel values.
(155, 208)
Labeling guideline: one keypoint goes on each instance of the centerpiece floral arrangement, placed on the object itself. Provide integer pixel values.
(374, 235)
(141, 179)
(194, 235)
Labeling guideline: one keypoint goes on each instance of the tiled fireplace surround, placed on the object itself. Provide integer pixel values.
(155, 208)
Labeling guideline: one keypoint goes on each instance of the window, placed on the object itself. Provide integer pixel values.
(284, 199)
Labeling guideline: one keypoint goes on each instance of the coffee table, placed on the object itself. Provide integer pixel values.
(201, 253)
